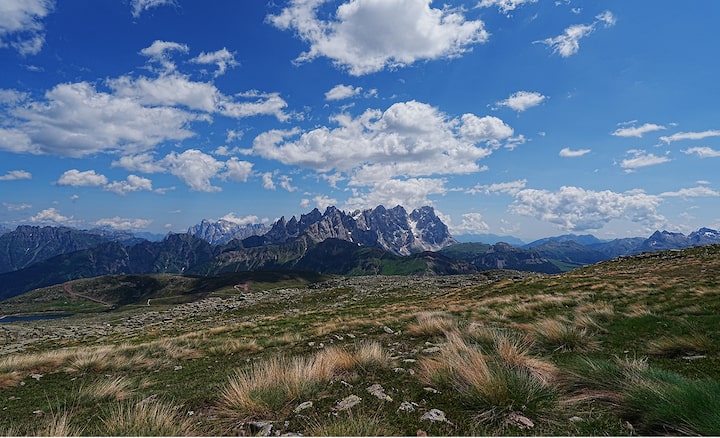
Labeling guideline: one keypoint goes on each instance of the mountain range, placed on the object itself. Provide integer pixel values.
(373, 241)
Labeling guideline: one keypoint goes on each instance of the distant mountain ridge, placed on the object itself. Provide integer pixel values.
(393, 230)
(379, 240)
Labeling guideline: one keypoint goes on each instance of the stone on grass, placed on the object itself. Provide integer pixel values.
(302, 406)
(378, 391)
(435, 415)
(347, 403)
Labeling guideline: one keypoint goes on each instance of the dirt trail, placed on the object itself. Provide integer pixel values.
(68, 289)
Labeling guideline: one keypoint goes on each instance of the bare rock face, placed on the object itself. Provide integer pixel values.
(223, 231)
(393, 230)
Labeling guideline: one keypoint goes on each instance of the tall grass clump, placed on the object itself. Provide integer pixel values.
(560, 335)
(58, 425)
(664, 402)
(119, 388)
(670, 346)
(431, 324)
(271, 387)
(491, 386)
(146, 419)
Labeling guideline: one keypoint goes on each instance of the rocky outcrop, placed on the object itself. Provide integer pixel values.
(223, 231)
(393, 230)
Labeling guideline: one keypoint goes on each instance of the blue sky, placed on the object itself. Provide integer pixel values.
(520, 117)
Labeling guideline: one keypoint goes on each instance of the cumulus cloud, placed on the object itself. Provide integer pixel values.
(640, 158)
(510, 188)
(410, 193)
(286, 183)
(51, 216)
(570, 153)
(15, 175)
(366, 36)
(140, 6)
(702, 152)
(690, 136)
(21, 24)
(522, 100)
(577, 209)
(76, 120)
(223, 58)
(195, 168)
(160, 52)
(144, 163)
(178, 90)
(242, 221)
(321, 202)
(568, 43)
(237, 170)
(76, 178)
(132, 183)
(505, 6)
(267, 181)
(409, 139)
(339, 92)
(119, 223)
(472, 223)
(637, 131)
(16, 207)
(693, 192)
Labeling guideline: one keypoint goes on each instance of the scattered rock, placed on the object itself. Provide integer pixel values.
(421, 432)
(431, 350)
(177, 367)
(410, 360)
(378, 391)
(407, 407)
(388, 330)
(699, 356)
(36, 376)
(575, 419)
(520, 421)
(431, 390)
(302, 406)
(347, 403)
(435, 415)
(260, 428)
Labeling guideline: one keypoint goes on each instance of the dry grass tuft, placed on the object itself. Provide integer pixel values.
(9, 379)
(117, 389)
(431, 324)
(682, 345)
(147, 419)
(559, 335)
(232, 346)
(59, 425)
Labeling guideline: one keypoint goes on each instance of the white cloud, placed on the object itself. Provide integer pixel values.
(321, 202)
(568, 43)
(195, 168)
(144, 163)
(638, 131)
(76, 120)
(14, 175)
(690, 136)
(409, 139)
(642, 159)
(76, 178)
(569, 153)
(285, 183)
(339, 92)
(140, 6)
(159, 51)
(242, 221)
(522, 100)
(267, 181)
(411, 193)
(505, 6)
(222, 58)
(51, 215)
(119, 223)
(237, 170)
(577, 209)
(703, 152)
(510, 188)
(366, 36)
(133, 183)
(21, 25)
(694, 192)
(472, 223)
(16, 207)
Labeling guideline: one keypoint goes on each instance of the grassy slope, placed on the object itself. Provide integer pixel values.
(612, 348)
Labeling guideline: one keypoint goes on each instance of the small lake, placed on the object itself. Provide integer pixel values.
(32, 317)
